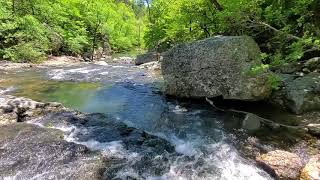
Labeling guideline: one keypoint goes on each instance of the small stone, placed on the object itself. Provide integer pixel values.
(314, 129)
(101, 63)
(281, 164)
(306, 70)
(313, 64)
(312, 170)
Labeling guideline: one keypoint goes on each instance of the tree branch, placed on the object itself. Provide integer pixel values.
(277, 30)
(248, 114)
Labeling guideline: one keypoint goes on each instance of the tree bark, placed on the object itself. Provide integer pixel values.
(13, 7)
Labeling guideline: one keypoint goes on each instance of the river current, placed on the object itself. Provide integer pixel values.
(205, 140)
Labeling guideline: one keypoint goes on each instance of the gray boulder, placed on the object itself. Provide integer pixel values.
(301, 94)
(218, 66)
(313, 64)
(148, 57)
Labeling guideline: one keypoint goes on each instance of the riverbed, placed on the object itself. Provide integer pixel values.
(206, 141)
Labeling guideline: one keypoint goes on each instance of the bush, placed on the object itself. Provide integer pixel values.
(25, 52)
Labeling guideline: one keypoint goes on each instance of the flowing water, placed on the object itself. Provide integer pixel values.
(204, 139)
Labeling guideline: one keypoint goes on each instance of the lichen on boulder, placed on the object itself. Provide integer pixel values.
(218, 66)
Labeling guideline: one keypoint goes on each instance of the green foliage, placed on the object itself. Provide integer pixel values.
(285, 30)
(29, 30)
(274, 81)
(258, 69)
(24, 39)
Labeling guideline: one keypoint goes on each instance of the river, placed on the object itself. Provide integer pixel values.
(205, 140)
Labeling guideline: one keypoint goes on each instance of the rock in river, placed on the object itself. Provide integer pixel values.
(218, 66)
(312, 170)
(281, 164)
(28, 151)
(16, 109)
(300, 94)
(148, 57)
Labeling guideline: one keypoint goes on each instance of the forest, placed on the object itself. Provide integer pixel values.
(160, 89)
(30, 30)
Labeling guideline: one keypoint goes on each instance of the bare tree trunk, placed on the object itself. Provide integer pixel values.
(149, 11)
(190, 25)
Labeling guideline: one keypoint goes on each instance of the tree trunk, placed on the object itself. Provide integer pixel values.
(217, 5)
(13, 7)
(149, 11)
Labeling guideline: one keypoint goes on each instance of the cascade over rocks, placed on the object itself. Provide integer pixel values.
(60, 143)
(218, 66)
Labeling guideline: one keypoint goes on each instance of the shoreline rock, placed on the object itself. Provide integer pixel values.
(50, 62)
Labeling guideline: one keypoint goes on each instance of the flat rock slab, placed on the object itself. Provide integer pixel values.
(28, 151)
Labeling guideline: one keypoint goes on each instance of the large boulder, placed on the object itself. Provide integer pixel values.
(148, 57)
(218, 66)
(300, 94)
(281, 164)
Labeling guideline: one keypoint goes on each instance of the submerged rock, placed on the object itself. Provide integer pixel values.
(281, 164)
(312, 170)
(28, 151)
(219, 66)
